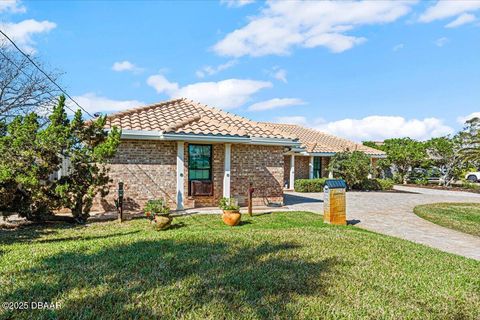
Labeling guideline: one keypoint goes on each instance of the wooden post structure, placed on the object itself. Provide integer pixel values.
(120, 201)
(250, 200)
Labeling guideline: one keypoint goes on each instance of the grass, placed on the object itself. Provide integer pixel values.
(464, 217)
(280, 265)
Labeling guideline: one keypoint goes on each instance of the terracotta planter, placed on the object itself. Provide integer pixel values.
(162, 222)
(231, 217)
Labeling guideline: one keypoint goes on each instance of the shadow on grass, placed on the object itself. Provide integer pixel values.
(166, 278)
(83, 238)
(33, 231)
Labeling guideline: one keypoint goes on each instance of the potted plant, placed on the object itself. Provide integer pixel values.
(159, 213)
(231, 211)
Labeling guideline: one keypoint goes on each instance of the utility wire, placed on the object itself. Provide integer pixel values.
(44, 73)
(28, 76)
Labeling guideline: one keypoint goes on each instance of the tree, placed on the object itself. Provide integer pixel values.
(31, 155)
(23, 88)
(25, 167)
(353, 167)
(404, 154)
(88, 149)
(470, 137)
(444, 153)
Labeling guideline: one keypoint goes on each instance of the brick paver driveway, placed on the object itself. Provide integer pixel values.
(392, 214)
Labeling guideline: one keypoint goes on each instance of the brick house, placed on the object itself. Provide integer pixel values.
(311, 160)
(192, 155)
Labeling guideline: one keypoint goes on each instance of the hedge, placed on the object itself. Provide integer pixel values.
(316, 185)
(309, 185)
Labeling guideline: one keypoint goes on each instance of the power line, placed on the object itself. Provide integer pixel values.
(28, 76)
(44, 73)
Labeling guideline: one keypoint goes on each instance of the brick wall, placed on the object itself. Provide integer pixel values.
(261, 165)
(302, 164)
(286, 171)
(148, 170)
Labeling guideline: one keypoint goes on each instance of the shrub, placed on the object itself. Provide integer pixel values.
(309, 185)
(470, 185)
(386, 184)
(228, 204)
(353, 167)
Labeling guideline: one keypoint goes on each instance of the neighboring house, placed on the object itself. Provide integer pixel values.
(192, 155)
(312, 159)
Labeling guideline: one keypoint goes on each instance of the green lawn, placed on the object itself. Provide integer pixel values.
(281, 265)
(464, 217)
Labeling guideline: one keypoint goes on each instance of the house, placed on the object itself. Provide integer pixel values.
(192, 155)
(311, 160)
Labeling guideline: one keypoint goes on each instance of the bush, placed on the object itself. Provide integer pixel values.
(374, 185)
(386, 184)
(353, 167)
(309, 185)
(470, 185)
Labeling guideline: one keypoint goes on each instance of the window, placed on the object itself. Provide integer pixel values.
(317, 167)
(200, 162)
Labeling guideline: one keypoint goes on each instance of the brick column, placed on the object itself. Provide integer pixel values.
(292, 171)
(180, 174)
(226, 174)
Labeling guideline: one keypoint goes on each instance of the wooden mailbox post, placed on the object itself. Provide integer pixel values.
(334, 204)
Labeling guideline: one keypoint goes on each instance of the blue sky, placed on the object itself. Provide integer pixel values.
(362, 70)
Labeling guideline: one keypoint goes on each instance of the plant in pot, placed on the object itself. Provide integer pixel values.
(159, 213)
(231, 211)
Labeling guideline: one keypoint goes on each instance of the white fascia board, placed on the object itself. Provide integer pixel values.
(141, 135)
(331, 154)
(204, 138)
(275, 142)
(158, 135)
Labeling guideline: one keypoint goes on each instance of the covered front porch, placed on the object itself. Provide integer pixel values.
(302, 165)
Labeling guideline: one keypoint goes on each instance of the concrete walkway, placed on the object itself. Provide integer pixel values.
(391, 213)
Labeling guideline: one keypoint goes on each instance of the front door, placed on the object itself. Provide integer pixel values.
(200, 170)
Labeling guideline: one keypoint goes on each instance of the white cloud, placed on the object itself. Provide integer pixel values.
(283, 25)
(464, 119)
(126, 66)
(461, 20)
(12, 6)
(93, 103)
(236, 3)
(398, 47)
(376, 127)
(22, 32)
(275, 103)
(440, 42)
(210, 70)
(448, 9)
(225, 94)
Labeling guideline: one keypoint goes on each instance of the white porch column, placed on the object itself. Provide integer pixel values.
(310, 168)
(180, 174)
(292, 171)
(226, 174)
